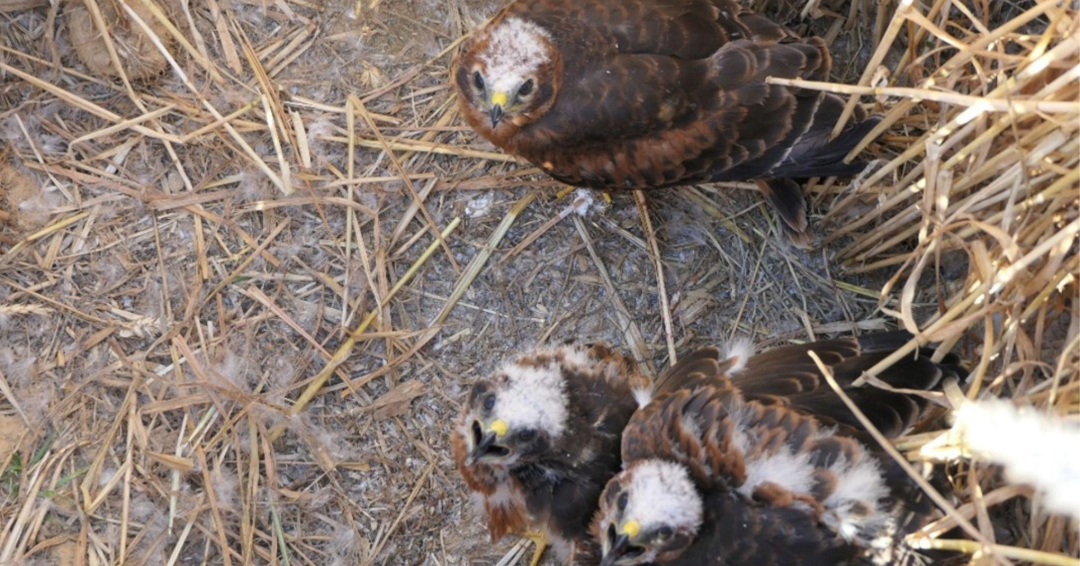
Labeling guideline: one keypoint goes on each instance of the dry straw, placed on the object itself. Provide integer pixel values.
(986, 186)
(161, 447)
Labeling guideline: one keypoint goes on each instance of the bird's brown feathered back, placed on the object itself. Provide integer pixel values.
(657, 93)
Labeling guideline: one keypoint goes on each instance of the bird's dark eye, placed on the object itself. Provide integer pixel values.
(526, 435)
(478, 80)
(526, 88)
(664, 533)
(489, 402)
(623, 500)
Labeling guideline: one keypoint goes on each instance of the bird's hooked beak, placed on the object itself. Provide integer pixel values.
(485, 441)
(498, 101)
(617, 547)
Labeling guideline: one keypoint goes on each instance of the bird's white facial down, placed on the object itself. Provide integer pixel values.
(658, 503)
(516, 51)
(523, 409)
(533, 397)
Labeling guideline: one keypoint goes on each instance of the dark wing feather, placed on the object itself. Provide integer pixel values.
(652, 120)
(788, 376)
(745, 534)
(782, 128)
(639, 69)
(787, 201)
(700, 367)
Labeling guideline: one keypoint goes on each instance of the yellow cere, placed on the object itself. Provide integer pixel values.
(498, 98)
(499, 427)
(630, 528)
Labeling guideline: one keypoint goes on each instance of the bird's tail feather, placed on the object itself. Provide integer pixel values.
(787, 201)
(813, 154)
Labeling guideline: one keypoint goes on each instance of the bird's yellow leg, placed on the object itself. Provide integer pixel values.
(606, 195)
(540, 540)
(565, 191)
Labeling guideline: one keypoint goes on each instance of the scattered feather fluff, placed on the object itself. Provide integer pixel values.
(17, 366)
(30, 201)
(1033, 447)
(144, 509)
(741, 349)
(318, 130)
(479, 206)
(321, 498)
(236, 371)
(347, 546)
(333, 444)
(254, 186)
(106, 476)
(36, 399)
(280, 376)
(109, 270)
(270, 418)
(225, 484)
(583, 202)
(642, 396)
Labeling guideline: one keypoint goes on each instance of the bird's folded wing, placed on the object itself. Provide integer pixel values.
(675, 119)
(701, 367)
(691, 427)
(788, 376)
(686, 29)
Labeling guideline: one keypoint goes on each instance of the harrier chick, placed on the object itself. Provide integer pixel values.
(740, 462)
(539, 439)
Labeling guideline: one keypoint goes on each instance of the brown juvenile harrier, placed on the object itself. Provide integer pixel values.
(642, 94)
(740, 462)
(539, 439)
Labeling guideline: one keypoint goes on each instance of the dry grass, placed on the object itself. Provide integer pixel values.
(241, 299)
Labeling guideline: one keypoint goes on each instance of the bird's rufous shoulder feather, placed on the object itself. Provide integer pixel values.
(693, 427)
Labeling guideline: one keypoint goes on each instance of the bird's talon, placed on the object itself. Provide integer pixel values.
(540, 540)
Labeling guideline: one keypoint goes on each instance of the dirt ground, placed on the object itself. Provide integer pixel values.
(173, 302)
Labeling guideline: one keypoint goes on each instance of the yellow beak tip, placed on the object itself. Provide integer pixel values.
(630, 528)
(499, 427)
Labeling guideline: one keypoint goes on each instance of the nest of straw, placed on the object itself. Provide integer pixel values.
(980, 204)
(241, 298)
